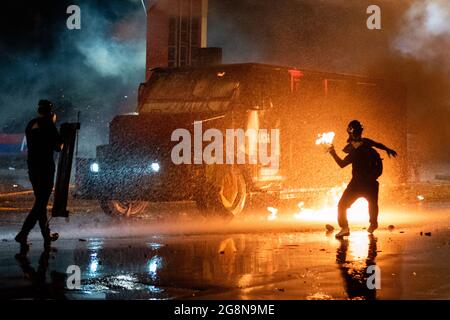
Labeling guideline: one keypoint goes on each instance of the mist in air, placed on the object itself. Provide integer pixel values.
(97, 70)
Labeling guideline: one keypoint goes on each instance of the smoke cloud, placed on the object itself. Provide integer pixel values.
(423, 43)
(331, 35)
(95, 70)
(425, 32)
(113, 50)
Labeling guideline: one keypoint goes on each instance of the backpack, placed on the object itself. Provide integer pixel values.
(374, 163)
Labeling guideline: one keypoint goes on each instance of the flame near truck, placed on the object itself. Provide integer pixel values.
(137, 165)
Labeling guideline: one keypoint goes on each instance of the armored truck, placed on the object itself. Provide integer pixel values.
(220, 135)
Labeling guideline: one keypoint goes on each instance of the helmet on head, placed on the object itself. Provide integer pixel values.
(355, 128)
(45, 107)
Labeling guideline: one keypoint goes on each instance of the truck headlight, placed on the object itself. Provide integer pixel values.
(94, 167)
(155, 167)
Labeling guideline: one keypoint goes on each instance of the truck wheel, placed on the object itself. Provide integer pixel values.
(123, 208)
(225, 196)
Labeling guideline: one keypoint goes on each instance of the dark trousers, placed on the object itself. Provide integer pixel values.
(355, 190)
(42, 182)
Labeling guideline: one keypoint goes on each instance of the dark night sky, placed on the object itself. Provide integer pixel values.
(97, 69)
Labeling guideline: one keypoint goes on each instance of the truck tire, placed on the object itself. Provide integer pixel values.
(225, 195)
(123, 208)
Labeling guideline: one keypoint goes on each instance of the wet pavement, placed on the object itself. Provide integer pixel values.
(179, 255)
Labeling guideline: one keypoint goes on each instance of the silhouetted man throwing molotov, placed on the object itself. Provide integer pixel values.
(367, 166)
(43, 140)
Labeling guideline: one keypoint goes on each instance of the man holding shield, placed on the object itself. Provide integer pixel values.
(43, 140)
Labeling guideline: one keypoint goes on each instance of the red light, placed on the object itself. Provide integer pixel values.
(295, 78)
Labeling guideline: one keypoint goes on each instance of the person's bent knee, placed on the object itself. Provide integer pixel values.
(343, 205)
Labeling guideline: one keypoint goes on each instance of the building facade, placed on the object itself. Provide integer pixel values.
(176, 30)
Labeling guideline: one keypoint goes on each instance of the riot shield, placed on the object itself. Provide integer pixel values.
(68, 134)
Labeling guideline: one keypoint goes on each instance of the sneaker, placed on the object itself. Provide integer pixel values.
(21, 238)
(372, 228)
(343, 233)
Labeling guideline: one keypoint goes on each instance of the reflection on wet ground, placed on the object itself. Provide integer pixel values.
(182, 257)
(355, 271)
(281, 265)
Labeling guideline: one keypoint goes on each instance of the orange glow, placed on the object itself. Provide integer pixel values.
(327, 212)
(273, 213)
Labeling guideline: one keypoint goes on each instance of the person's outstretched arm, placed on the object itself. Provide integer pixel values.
(381, 146)
(341, 162)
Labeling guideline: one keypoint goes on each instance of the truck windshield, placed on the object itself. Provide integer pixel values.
(181, 92)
